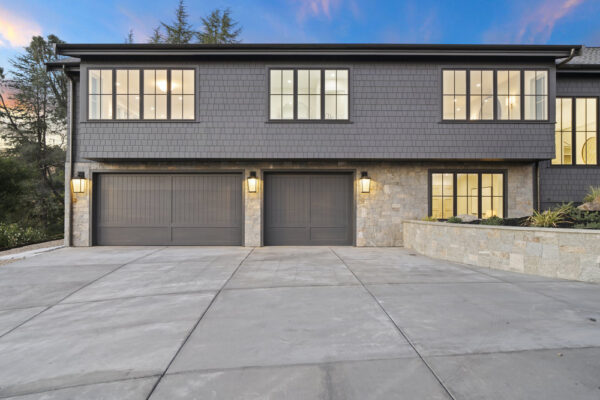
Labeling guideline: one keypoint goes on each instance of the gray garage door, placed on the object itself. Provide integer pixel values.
(160, 209)
(308, 209)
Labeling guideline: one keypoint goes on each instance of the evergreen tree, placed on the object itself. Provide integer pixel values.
(219, 28)
(180, 31)
(129, 39)
(157, 36)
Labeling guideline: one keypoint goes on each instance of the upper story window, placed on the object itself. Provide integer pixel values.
(576, 131)
(149, 94)
(510, 95)
(299, 94)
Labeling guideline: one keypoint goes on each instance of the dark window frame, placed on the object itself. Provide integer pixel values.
(495, 120)
(295, 118)
(479, 172)
(574, 133)
(141, 118)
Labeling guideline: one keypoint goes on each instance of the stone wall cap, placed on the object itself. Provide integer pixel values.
(508, 228)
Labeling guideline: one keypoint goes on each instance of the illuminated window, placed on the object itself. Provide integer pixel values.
(481, 95)
(455, 94)
(509, 95)
(128, 94)
(492, 195)
(442, 193)
(182, 94)
(282, 94)
(586, 127)
(100, 90)
(467, 194)
(336, 94)
(309, 94)
(536, 95)
(563, 132)
(155, 94)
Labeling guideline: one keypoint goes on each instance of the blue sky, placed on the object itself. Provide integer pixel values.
(318, 21)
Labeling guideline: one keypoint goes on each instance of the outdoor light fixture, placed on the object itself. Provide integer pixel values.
(252, 182)
(78, 183)
(365, 182)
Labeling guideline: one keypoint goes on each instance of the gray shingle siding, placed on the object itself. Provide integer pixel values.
(395, 113)
(560, 184)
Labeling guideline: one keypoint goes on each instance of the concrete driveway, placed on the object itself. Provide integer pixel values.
(290, 323)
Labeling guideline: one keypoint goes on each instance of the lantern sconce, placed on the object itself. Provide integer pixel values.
(252, 182)
(365, 182)
(78, 183)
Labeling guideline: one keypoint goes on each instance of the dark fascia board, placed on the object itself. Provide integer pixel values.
(71, 64)
(254, 49)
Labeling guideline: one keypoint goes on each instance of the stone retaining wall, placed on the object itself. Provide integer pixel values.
(557, 253)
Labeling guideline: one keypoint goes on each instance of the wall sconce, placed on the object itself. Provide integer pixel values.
(78, 183)
(365, 182)
(252, 182)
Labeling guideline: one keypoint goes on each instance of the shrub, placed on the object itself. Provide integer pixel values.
(454, 220)
(495, 220)
(429, 218)
(589, 225)
(13, 235)
(549, 218)
(593, 194)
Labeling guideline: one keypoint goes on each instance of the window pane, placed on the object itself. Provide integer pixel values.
(287, 111)
(342, 81)
(487, 82)
(303, 104)
(177, 81)
(514, 108)
(436, 207)
(288, 81)
(461, 206)
(303, 83)
(497, 184)
(122, 104)
(488, 108)
(189, 81)
(475, 77)
(448, 207)
(315, 107)
(275, 107)
(462, 184)
(134, 81)
(448, 184)
(106, 81)
(541, 103)
(448, 82)
(460, 82)
(315, 82)
(497, 204)
(149, 82)
(486, 184)
(461, 107)
(177, 106)
(94, 106)
(161, 81)
(106, 107)
(94, 81)
(591, 115)
(121, 83)
(149, 107)
(514, 86)
(502, 84)
(161, 107)
(134, 107)
(486, 207)
(188, 106)
(330, 82)
(330, 106)
(530, 82)
(476, 107)
(542, 83)
(530, 107)
(275, 81)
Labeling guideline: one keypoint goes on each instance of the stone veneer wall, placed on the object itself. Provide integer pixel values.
(398, 192)
(556, 253)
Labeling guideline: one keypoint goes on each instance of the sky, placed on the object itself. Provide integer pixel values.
(311, 21)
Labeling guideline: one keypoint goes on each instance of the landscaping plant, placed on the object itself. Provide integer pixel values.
(550, 218)
(592, 195)
(454, 220)
(494, 220)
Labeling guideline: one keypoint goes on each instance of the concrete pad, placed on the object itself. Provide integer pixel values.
(9, 319)
(151, 279)
(489, 317)
(220, 255)
(132, 389)
(513, 277)
(282, 326)
(85, 343)
(292, 266)
(581, 295)
(376, 379)
(87, 256)
(542, 374)
(22, 287)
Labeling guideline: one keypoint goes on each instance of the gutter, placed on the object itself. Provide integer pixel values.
(566, 60)
(69, 168)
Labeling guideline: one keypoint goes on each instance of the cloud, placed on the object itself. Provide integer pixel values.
(315, 8)
(536, 24)
(16, 31)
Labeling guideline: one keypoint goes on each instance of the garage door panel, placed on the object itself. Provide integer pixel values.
(329, 198)
(163, 209)
(288, 207)
(329, 235)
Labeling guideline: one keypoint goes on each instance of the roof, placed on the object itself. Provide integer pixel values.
(327, 49)
(65, 62)
(588, 59)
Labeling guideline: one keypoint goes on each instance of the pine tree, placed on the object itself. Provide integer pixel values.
(129, 39)
(219, 28)
(157, 36)
(180, 32)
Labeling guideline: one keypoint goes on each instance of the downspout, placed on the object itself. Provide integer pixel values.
(538, 201)
(69, 167)
(566, 60)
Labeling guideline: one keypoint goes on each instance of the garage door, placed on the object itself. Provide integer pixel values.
(308, 209)
(161, 209)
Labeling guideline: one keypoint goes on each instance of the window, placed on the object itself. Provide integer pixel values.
(455, 94)
(182, 94)
(480, 194)
(336, 94)
(586, 131)
(576, 131)
(563, 132)
(100, 89)
(536, 95)
(128, 94)
(509, 95)
(149, 94)
(308, 94)
(282, 94)
(481, 94)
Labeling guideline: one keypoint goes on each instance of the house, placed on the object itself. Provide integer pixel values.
(320, 144)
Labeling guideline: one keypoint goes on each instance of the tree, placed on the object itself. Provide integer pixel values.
(157, 36)
(219, 28)
(180, 31)
(129, 39)
(33, 107)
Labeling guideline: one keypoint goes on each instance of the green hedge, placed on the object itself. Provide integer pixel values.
(14, 235)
